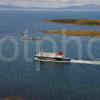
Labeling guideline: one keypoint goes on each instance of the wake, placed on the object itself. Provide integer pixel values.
(85, 62)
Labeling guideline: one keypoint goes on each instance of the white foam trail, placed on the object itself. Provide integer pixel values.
(85, 62)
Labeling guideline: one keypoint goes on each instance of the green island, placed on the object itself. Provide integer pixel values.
(73, 33)
(75, 21)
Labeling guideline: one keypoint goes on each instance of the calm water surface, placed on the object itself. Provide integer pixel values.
(53, 81)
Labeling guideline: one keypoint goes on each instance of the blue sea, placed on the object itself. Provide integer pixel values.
(52, 81)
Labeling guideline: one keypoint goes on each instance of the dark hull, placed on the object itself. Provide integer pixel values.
(53, 60)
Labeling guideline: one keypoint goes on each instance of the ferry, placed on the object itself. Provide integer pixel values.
(52, 57)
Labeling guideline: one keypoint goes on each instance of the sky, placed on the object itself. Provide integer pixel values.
(48, 3)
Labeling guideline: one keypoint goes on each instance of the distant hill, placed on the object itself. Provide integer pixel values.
(10, 7)
(17, 7)
(84, 7)
(70, 7)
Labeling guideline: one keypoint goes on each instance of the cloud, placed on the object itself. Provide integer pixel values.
(48, 3)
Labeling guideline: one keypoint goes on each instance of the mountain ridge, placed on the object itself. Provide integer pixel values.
(69, 7)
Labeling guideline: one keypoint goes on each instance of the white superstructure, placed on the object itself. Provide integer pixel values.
(51, 55)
